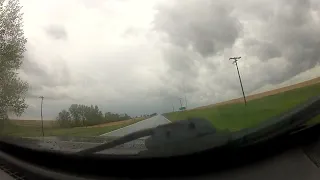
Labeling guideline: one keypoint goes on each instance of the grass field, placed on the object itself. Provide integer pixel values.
(236, 116)
(267, 93)
(13, 128)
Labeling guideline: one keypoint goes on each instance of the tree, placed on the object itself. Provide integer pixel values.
(12, 47)
(82, 115)
(75, 114)
(64, 119)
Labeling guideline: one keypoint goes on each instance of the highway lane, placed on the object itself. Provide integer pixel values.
(147, 123)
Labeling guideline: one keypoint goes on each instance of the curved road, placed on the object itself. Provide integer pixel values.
(147, 123)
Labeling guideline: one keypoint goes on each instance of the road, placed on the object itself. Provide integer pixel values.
(147, 123)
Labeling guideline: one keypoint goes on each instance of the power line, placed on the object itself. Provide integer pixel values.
(235, 60)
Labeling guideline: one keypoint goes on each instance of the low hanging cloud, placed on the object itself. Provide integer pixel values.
(292, 33)
(56, 32)
(205, 26)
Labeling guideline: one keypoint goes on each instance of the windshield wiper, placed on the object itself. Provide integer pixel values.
(164, 137)
(194, 135)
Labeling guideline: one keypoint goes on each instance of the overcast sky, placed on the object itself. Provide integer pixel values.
(140, 56)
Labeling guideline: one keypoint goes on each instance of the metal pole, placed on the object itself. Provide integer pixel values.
(244, 96)
(180, 102)
(185, 98)
(41, 115)
(235, 62)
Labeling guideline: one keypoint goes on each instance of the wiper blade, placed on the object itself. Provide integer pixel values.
(119, 141)
(173, 138)
(197, 134)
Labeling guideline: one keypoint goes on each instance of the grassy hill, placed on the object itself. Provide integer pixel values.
(267, 93)
(233, 115)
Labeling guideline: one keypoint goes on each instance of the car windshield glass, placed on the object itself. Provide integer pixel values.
(85, 72)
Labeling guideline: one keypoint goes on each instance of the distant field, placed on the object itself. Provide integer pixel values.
(117, 122)
(233, 115)
(53, 123)
(30, 128)
(35, 123)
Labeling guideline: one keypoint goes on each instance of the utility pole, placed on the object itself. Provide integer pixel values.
(180, 102)
(41, 115)
(185, 98)
(235, 60)
(172, 108)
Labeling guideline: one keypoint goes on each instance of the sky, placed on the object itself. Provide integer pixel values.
(141, 56)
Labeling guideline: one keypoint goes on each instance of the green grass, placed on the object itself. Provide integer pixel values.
(12, 129)
(35, 123)
(236, 116)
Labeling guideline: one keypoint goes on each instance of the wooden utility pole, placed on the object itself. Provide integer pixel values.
(41, 115)
(185, 98)
(235, 60)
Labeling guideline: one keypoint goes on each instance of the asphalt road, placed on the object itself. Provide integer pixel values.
(147, 123)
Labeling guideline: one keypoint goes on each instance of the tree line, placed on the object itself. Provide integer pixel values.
(81, 115)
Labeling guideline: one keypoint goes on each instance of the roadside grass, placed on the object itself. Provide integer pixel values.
(12, 129)
(237, 116)
(35, 123)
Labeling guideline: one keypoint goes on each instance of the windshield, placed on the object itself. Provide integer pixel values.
(89, 70)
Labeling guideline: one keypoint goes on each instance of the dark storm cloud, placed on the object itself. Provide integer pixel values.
(286, 40)
(182, 70)
(293, 34)
(31, 67)
(43, 80)
(196, 30)
(205, 26)
(45, 76)
(180, 61)
(264, 50)
(59, 96)
(56, 32)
